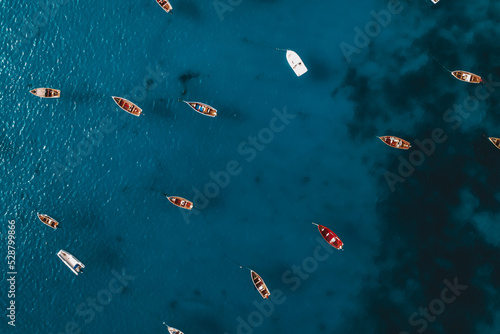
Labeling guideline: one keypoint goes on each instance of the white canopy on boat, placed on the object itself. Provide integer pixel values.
(295, 63)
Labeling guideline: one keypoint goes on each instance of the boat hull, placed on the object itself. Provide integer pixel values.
(395, 142)
(70, 261)
(46, 93)
(202, 108)
(259, 284)
(495, 141)
(330, 237)
(50, 222)
(165, 5)
(467, 77)
(180, 202)
(295, 63)
(128, 106)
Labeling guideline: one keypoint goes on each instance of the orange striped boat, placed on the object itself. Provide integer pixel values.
(127, 106)
(180, 202)
(395, 142)
(165, 5)
(467, 77)
(259, 284)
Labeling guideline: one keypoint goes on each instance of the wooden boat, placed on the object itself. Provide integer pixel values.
(72, 262)
(295, 63)
(180, 202)
(330, 237)
(395, 142)
(467, 77)
(495, 141)
(202, 108)
(259, 284)
(165, 5)
(127, 106)
(48, 93)
(51, 222)
(173, 330)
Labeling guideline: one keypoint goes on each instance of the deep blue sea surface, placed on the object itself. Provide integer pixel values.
(420, 227)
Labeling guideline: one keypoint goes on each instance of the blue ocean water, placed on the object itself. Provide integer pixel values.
(102, 173)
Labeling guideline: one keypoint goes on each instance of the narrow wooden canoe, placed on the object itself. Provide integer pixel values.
(51, 222)
(165, 5)
(127, 106)
(495, 141)
(173, 330)
(295, 63)
(47, 93)
(180, 202)
(467, 76)
(202, 108)
(259, 284)
(395, 142)
(330, 237)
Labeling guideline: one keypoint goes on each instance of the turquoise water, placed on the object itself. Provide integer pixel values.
(284, 151)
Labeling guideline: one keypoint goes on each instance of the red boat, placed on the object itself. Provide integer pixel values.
(128, 106)
(330, 237)
(395, 142)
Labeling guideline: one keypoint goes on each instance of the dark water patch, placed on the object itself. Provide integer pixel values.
(187, 76)
(319, 68)
(189, 9)
(305, 180)
(424, 243)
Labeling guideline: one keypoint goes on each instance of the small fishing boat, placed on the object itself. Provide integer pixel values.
(180, 202)
(395, 142)
(467, 77)
(202, 108)
(295, 63)
(259, 284)
(127, 106)
(165, 5)
(435, 1)
(71, 261)
(51, 222)
(330, 237)
(495, 141)
(173, 330)
(48, 93)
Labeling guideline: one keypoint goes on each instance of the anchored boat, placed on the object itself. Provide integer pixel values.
(180, 202)
(395, 142)
(202, 108)
(72, 262)
(173, 330)
(51, 222)
(295, 63)
(259, 284)
(128, 106)
(495, 141)
(330, 237)
(467, 77)
(435, 1)
(165, 5)
(48, 93)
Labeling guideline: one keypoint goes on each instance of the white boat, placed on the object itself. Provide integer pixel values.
(172, 330)
(435, 1)
(295, 63)
(72, 262)
(48, 93)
